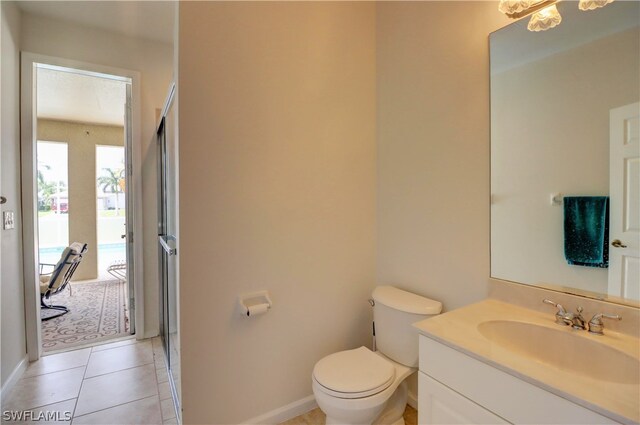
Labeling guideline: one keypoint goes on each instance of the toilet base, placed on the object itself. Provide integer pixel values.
(393, 413)
(399, 421)
(331, 421)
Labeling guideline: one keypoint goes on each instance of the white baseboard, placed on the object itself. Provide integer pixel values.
(299, 407)
(14, 377)
(285, 413)
(412, 400)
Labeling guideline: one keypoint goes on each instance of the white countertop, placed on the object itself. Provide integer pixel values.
(458, 329)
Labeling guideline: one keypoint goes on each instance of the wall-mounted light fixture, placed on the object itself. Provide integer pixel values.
(546, 18)
(544, 13)
(592, 4)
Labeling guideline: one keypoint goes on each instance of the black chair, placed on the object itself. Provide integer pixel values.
(55, 282)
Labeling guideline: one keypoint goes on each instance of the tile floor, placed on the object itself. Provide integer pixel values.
(123, 382)
(317, 417)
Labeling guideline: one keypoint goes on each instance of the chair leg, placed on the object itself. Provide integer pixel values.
(61, 308)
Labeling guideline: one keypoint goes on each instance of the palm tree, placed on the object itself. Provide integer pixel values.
(110, 183)
(47, 188)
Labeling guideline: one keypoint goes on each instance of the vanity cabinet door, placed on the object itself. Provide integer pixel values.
(439, 404)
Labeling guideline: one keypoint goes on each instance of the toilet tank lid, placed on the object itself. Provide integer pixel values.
(405, 301)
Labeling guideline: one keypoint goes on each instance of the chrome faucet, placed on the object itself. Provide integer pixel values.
(596, 326)
(575, 320)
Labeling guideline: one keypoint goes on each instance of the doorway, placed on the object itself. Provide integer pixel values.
(80, 204)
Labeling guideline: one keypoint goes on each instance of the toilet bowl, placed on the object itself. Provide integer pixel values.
(361, 387)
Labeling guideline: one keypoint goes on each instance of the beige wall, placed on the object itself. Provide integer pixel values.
(561, 147)
(433, 147)
(82, 140)
(13, 347)
(154, 61)
(277, 191)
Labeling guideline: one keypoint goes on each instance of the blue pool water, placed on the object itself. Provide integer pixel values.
(107, 254)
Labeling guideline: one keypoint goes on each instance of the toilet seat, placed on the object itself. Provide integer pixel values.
(354, 373)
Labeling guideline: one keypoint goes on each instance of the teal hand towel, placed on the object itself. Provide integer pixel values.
(586, 230)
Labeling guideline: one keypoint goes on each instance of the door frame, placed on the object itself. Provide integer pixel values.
(28, 140)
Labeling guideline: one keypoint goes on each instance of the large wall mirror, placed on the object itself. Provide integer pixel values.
(565, 173)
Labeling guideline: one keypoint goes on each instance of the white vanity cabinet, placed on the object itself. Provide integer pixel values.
(439, 404)
(456, 388)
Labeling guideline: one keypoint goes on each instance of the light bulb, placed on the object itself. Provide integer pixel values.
(545, 19)
(592, 4)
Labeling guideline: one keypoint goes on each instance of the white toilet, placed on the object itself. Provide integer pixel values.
(365, 387)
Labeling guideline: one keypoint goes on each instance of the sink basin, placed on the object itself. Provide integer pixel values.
(562, 349)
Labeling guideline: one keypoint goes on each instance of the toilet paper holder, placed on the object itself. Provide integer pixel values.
(254, 303)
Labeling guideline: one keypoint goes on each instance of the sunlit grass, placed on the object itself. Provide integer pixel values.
(111, 213)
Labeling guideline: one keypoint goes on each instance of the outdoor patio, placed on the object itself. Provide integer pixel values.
(98, 311)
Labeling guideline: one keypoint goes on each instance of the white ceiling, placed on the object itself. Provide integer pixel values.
(80, 98)
(151, 20)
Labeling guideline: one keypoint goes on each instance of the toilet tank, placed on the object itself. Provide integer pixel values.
(394, 312)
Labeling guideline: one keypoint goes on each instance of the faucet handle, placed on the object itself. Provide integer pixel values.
(596, 326)
(553, 303)
(578, 321)
(560, 314)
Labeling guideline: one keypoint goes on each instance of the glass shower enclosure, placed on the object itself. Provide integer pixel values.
(168, 254)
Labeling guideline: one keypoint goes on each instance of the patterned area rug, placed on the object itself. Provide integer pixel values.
(98, 311)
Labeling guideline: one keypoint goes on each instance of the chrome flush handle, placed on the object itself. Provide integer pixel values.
(561, 314)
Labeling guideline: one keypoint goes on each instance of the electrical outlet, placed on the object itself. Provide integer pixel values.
(8, 221)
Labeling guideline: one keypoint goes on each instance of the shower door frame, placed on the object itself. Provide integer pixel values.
(165, 251)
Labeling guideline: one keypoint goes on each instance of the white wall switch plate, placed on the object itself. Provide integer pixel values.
(8, 221)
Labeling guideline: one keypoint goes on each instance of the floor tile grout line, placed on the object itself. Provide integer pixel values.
(53, 371)
(44, 405)
(24, 378)
(164, 370)
(141, 343)
(116, 371)
(84, 379)
(158, 388)
(137, 341)
(118, 405)
(75, 407)
(46, 355)
(40, 377)
(87, 346)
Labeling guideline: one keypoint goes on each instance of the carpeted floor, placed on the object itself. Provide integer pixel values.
(98, 311)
